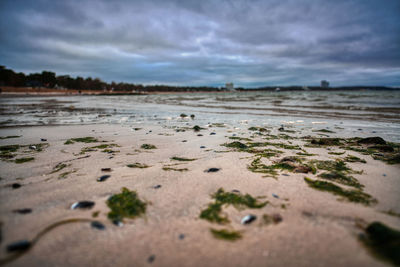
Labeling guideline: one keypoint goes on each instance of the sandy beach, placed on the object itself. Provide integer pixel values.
(309, 227)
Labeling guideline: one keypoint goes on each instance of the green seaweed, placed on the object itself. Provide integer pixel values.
(240, 138)
(383, 241)
(236, 144)
(259, 129)
(125, 205)
(325, 142)
(197, 128)
(323, 131)
(351, 158)
(336, 153)
(87, 139)
(64, 175)
(332, 165)
(305, 154)
(138, 165)
(183, 115)
(9, 148)
(59, 167)
(225, 234)
(280, 145)
(10, 136)
(148, 146)
(105, 147)
(182, 159)
(213, 211)
(341, 178)
(351, 195)
(175, 169)
(23, 160)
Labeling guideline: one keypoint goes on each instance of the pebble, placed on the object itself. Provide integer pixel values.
(97, 225)
(19, 246)
(23, 211)
(235, 191)
(151, 258)
(118, 223)
(212, 170)
(212, 133)
(111, 157)
(33, 147)
(103, 178)
(157, 186)
(184, 141)
(43, 139)
(106, 169)
(181, 236)
(277, 218)
(202, 147)
(285, 174)
(16, 185)
(199, 135)
(275, 196)
(248, 219)
(82, 205)
(384, 174)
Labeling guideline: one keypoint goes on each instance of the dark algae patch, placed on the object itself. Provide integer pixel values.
(23, 160)
(383, 241)
(125, 205)
(175, 169)
(182, 159)
(351, 195)
(138, 165)
(213, 212)
(59, 167)
(148, 146)
(225, 234)
(87, 139)
(10, 136)
(351, 158)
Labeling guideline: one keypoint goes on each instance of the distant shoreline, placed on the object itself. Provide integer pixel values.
(9, 91)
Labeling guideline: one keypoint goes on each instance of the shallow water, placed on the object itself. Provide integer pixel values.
(356, 113)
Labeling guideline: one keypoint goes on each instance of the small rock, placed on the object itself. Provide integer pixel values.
(212, 133)
(248, 219)
(82, 205)
(157, 186)
(19, 246)
(275, 196)
(118, 223)
(277, 218)
(106, 169)
(281, 128)
(192, 116)
(184, 141)
(302, 169)
(199, 135)
(98, 225)
(212, 170)
(285, 174)
(235, 191)
(111, 157)
(202, 147)
(181, 236)
(103, 178)
(33, 147)
(43, 139)
(151, 258)
(22, 211)
(16, 185)
(372, 140)
(384, 174)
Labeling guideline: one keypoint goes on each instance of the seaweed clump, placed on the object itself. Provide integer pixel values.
(125, 205)
(225, 234)
(351, 195)
(23, 160)
(87, 139)
(148, 146)
(138, 165)
(213, 212)
(182, 159)
(383, 242)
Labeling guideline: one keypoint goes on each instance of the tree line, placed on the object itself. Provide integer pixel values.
(49, 79)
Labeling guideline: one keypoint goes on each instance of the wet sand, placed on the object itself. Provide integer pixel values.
(316, 229)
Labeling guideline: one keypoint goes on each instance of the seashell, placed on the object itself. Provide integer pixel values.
(82, 205)
(248, 219)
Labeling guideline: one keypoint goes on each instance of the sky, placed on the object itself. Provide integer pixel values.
(206, 43)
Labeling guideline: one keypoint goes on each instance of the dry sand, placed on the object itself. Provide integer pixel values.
(317, 229)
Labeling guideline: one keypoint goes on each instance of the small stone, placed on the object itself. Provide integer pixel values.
(103, 178)
(192, 116)
(212, 133)
(98, 225)
(281, 128)
(285, 174)
(184, 141)
(22, 211)
(277, 218)
(157, 186)
(118, 223)
(43, 139)
(181, 236)
(212, 170)
(235, 191)
(151, 258)
(275, 196)
(111, 157)
(19, 246)
(106, 169)
(384, 174)
(248, 219)
(16, 185)
(199, 135)
(82, 205)
(302, 169)
(202, 147)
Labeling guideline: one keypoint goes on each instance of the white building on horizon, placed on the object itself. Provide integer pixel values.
(229, 86)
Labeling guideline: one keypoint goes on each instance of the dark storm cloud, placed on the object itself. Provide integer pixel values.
(251, 43)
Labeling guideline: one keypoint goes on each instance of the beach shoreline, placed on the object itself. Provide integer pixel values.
(315, 228)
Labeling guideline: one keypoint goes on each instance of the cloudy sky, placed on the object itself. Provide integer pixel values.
(193, 42)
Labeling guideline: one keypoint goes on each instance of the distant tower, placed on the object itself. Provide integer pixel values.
(324, 84)
(229, 86)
